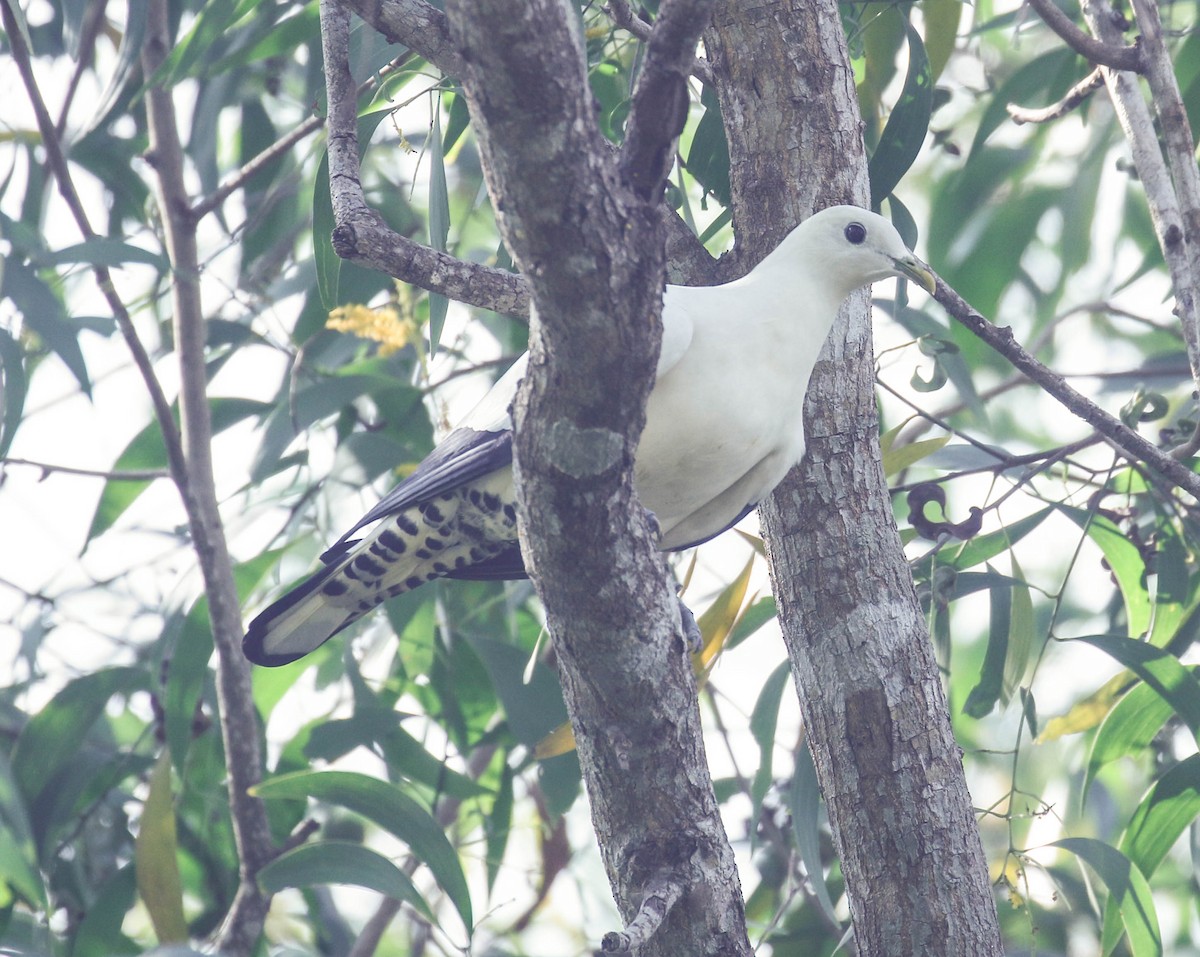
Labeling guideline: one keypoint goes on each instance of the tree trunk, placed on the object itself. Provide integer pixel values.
(587, 233)
(872, 699)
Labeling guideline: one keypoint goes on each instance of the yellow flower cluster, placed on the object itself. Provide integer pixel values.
(384, 325)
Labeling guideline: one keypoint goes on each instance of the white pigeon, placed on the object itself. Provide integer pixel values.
(724, 424)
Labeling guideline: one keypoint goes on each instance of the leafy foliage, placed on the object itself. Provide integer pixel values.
(1063, 616)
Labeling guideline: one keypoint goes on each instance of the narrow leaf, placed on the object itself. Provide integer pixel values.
(391, 809)
(763, 722)
(986, 693)
(340, 862)
(439, 224)
(1127, 886)
(154, 857)
(905, 130)
(805, 803)
(1160, 669)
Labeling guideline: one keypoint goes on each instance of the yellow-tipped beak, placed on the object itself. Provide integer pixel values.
(912, 268)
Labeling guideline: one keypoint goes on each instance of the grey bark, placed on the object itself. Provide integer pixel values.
(592, 250)
(872, 699)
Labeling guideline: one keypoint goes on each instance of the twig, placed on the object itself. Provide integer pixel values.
(242, 927)
(1009, 462)
(1137, 124)
(1001, 339)
(662, 891)
(1090, 48)
(623, 16)
(1075, 96)
(134, 475)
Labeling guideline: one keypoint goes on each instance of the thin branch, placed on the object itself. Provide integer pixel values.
(1001, 339)
(66, 188)
(134, 475)
(1140, 132)
(662, 891)
(1093, 50)
(660, 102)
(623, 16)
(252, 834)
(238, 178)
(1076, 96)
(360, 233)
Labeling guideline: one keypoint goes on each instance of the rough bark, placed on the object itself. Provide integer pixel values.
(873, 702)
(591, 249)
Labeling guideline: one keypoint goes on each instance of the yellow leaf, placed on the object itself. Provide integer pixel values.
(719, 619)
(154, 858)
(559, 741)
(1089, 712)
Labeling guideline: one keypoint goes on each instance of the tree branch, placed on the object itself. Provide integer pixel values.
(1077, 95)
(239, 718)
(623, 16)
(1094, 50)
(1181, 158)
(1130, 442)
(134, 475)
(360, 233)
(661, 894)
(1138, 126)
(418, 25)
(660, 102)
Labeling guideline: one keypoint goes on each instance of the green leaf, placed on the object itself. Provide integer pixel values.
(52, 738)
(534, 707)
(1127, 886)
(1020, 632)
(986, 693)
(103, 251)
(708, 157)
(498, 825)
(391, 809)
(805, 803)
(158, 878)
(146, 451)
(340, 862)
(13, 386)
(897, 460)
(43, 314)
(1168, 809)
(19, 874)
(983, 548)
(1125, 561)
(439, 224)
(328, 262)
(1160, 669)
(941, 32)
(1129, 727)
(763, 722)
(905, 130)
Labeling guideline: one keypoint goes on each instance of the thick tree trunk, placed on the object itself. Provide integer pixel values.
(587, 234)
(872, 699)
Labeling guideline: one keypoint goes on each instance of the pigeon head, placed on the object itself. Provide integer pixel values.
(851, 247)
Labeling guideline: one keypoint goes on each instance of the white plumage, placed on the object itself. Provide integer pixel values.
(724, 424)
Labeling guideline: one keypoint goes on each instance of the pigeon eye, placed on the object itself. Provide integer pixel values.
(856, 233)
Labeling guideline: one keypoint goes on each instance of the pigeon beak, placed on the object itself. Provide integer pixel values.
(910, 267)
